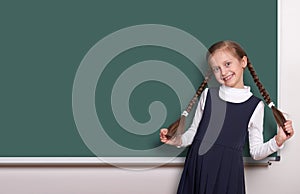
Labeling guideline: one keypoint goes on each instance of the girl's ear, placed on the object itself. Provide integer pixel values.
(244, 62)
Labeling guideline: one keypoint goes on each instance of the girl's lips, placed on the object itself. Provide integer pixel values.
(227, 77)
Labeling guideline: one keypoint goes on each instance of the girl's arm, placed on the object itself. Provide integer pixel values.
(187, 138)
(259, 149)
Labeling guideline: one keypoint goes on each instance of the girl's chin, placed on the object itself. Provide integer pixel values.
(228, 84)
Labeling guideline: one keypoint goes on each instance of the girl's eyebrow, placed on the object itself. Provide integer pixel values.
(227, 60)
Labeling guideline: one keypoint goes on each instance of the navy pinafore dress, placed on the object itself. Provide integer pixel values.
(220, 170)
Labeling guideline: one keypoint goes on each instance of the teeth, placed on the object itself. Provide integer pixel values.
(227, 78)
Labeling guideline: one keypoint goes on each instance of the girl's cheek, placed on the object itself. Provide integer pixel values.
(220, 81)
(218, 78)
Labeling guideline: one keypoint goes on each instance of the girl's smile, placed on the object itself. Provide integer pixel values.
(227, 78)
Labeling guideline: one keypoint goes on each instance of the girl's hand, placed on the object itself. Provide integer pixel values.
(176, 141)
(281, 137)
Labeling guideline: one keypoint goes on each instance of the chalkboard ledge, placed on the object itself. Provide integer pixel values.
(265, 161)
(103, 161)
(111, 161)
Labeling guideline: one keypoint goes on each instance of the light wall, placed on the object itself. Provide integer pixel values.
(280, 177)
(283, 177)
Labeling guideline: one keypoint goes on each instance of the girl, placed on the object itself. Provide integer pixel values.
(214, 162)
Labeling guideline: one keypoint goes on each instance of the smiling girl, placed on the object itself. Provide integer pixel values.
(219, 168)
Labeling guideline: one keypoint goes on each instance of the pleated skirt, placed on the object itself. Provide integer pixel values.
(218, 171)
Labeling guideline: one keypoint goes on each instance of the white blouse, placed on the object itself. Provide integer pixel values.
(258, 149)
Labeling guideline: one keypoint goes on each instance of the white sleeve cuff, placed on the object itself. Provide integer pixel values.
(183, 142)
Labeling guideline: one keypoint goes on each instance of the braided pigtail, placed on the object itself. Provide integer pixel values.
(178, 127)
(280, 119)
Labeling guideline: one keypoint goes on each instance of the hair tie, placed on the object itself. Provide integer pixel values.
(271, 104)
(185, 113)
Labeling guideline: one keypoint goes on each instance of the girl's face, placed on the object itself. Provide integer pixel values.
(227, 68)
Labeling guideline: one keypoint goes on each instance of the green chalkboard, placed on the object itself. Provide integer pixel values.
(100, 78)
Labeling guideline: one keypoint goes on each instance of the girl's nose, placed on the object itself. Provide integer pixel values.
(223, 70)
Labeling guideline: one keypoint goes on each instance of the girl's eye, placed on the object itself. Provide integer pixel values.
(216, 69)
(227, 64)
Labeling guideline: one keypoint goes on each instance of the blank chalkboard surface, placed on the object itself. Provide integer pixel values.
(93, 78)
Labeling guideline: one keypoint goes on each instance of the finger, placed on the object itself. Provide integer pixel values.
(288, 127)
(285, 128)
(290, 131)
(288, 122)
(162, 136)
(164, 131)
(163, 139)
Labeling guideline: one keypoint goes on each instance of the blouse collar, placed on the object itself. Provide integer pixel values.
(235, 95)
